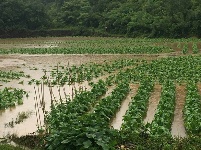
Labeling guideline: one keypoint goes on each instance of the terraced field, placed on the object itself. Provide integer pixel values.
(115, 93)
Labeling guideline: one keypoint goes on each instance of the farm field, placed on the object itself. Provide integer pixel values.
(101, 93)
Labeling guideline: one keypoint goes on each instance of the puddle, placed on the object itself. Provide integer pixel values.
(178, 129)
(153, 103)
(118, 119)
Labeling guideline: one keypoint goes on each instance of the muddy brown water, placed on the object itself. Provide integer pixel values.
(26, 63)
(178, 129)
(153, 103)
(118, 119)
(29, 105)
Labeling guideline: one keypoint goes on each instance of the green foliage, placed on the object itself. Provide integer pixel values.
(9, 97)
(9, 147)
(161, 125)
(6, 76)
(173, 68)
(20, 14)
(192, 110)
(158, 18)
(68, 75)
(185, 49)
(89, 130)
(133, 119)
(195, 48)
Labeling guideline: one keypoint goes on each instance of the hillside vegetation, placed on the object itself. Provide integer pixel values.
(133, 18)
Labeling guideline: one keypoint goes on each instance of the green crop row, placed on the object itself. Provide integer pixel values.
(161, 125)
(10, 75)
(89, 130)
(180, 69)
(133, 119)
(11, 97)
(142, 49)
(192, 110)
(67, 75)
(81, 104)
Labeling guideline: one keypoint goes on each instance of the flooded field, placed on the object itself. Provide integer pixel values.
(95, 85)
(34, 65)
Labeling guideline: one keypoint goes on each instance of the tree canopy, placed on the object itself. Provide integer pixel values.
(150, 18)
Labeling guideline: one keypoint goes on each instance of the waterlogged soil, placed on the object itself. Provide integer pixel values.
(153, 103)
(34, 102)
(33, 66)
(178, 129)
(199, 88)
(118, 119)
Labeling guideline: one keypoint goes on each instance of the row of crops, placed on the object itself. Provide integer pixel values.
(68, 75)
(87, 45)
(6, 76)
(82, 128)
(10, 97)
(83, 50)
(91, 128)
(84, 122)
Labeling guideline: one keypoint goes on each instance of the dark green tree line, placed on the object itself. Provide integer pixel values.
(150, 18)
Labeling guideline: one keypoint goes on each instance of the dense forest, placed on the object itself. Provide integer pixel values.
(133, 18)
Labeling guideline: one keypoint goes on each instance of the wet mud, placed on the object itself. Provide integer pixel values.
(39, 100)
(199, 88)
(153, 103)
(118, 119)
(178, 129)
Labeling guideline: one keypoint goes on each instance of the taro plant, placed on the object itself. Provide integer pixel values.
(161, 125)
(185, 49)
(192, 110)
(10, 97)
(133, 119)
(195, 48)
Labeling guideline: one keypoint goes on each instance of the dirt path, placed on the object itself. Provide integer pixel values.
(153, 103)
(178, 128)
(199, 88)
(118, 119)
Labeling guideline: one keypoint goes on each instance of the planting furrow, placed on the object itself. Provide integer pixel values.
(178, 129)
(153, 103)
(133, 119)
(108, 106)
(199, 88)
(81, 104)
(192, 110)
(161, 125)
(90, 129)
(108, 93)
(70, 74)
(118, 119)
